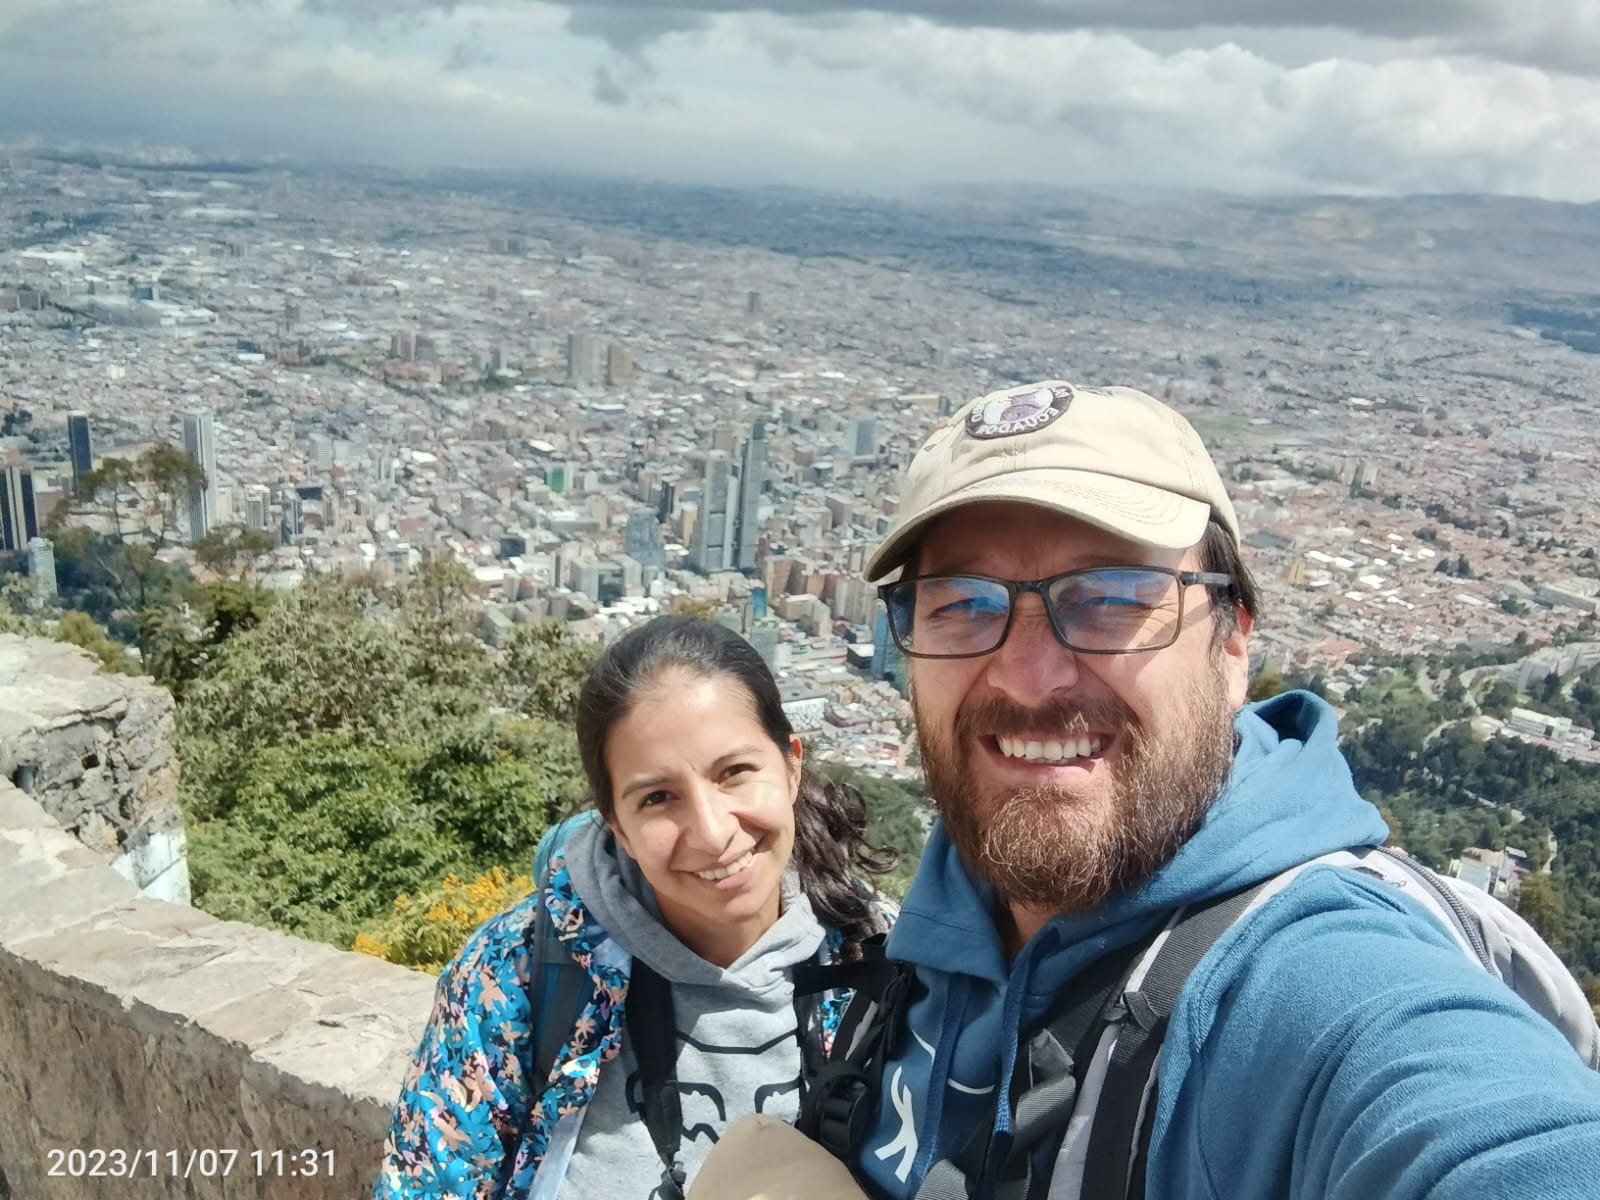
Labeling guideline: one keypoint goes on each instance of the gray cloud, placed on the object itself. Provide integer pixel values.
(1384, 17)
(464, 56)
(378, 11)
(1562, 35)
(607, 90)
(629, 28)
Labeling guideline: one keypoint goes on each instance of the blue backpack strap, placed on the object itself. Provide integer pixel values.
(563, 986)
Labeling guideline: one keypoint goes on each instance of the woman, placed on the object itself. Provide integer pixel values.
(715, 865)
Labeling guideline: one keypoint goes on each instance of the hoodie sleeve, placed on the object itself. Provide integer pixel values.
(467, 1094)
(1340, 1046)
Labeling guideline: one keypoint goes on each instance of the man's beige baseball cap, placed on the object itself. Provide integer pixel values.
(1114, 457)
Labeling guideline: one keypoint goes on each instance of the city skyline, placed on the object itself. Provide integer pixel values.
(1447, 96)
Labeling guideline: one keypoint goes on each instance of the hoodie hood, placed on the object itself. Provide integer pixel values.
(1288, 799)
(617, 896)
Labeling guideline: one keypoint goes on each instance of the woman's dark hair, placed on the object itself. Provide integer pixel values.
(831, 852)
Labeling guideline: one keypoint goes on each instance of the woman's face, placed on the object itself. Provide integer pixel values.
(704, 803)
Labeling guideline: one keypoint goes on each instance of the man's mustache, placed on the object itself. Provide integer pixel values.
(995, 715)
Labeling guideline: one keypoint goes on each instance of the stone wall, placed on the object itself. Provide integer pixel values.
(95, 750)
(134, 1025)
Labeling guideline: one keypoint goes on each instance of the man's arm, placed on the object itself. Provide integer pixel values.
(1340, 1046)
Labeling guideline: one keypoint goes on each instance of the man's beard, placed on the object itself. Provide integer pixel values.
(1047, 850)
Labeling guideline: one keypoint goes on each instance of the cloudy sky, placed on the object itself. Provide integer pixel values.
(1240, 95)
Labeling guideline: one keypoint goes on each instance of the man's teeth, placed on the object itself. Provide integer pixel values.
(1063, 751)
(717, 873)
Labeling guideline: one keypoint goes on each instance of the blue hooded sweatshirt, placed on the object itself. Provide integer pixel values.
(1336, 1044)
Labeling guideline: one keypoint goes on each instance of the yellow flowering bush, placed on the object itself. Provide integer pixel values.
(426, 930)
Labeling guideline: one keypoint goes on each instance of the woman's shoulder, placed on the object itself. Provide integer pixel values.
(503, 937)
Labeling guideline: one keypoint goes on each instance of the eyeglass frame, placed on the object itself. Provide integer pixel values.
(1016, 587)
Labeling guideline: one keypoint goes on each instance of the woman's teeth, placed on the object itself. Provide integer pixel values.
(1036, 751)
(734, 868)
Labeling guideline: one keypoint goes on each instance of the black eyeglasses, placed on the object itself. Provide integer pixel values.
(1097, 610)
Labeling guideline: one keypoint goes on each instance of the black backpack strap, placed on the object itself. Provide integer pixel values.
(654, 1036)
(1049, 1071)
(838, 1103)
(1116, 1139)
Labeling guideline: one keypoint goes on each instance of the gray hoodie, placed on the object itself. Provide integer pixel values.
(738, 1052)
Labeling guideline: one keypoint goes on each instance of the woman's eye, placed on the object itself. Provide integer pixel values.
(655, 798)
(740, 769)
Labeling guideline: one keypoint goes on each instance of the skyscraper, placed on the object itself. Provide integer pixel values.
(641, 539)
(293, 524)
(257, 506)
(583, 358)
(82, 448)
(19, 520)
(199, 442)
(752, 481)
(861, 436)
(885, 651)
(619, 365)
(42, 568)
(712, 546)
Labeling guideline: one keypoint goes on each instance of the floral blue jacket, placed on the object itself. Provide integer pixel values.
(477, 1114)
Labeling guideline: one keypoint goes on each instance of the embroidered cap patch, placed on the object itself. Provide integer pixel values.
(1020, 410)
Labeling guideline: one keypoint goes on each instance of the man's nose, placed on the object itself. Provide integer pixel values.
(1031, 665)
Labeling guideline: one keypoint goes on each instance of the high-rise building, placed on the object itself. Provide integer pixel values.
(293, 523)
(19, 519)
(81, 445)
(752, 482)
(583, 359)
(861, 437)
(257, 506)
(712, 546)
(199, 441)
(42, 568)
(885, 650)
(764, 637)
(619, 365)
(752, 304)
(641, 539)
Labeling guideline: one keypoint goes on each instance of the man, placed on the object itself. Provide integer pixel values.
(1072, 596)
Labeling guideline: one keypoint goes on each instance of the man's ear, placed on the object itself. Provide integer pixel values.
(1235, 655)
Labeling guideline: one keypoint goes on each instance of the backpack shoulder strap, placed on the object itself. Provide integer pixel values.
(837, 1105)
(1146, 1007)
(558, 986)
(653, 1032)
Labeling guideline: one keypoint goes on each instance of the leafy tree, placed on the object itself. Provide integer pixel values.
(321, 832)
(1538, 905)
(80, 629)
(1500, 698)
(1265, 686)
(542, 669)
(171, 480)
(231, 548)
